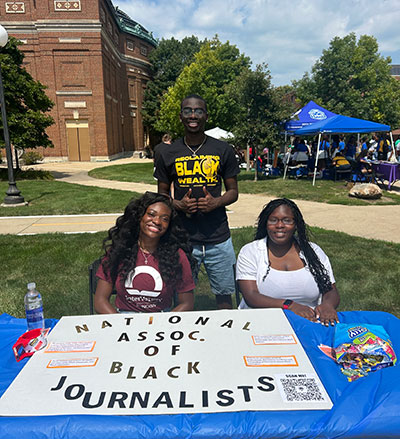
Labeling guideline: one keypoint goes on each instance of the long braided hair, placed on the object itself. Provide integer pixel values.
(121, 245)
(315, 266)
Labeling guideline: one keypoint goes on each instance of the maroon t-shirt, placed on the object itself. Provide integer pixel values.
(144, 290)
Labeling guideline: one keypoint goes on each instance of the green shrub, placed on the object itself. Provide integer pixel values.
(31, 157)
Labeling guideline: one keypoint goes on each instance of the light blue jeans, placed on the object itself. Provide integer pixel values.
(218, 260)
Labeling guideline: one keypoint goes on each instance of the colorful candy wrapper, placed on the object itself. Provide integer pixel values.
(30, 342)
(362, 348)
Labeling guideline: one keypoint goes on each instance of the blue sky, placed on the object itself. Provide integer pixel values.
(288, 35)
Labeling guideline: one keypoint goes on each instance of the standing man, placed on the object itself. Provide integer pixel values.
(197, 165)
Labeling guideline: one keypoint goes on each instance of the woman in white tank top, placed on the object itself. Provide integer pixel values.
(283, 269)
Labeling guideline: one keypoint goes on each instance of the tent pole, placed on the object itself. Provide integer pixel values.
(391, 140)
(316, 159)
(284, 155)
(393, 152)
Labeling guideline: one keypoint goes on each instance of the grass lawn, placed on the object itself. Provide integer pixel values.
(324, 191)
(132, 172)
(366, 271)
(58, 198)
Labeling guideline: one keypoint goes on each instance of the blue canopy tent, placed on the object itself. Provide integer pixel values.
(308, 115)
(340, 124)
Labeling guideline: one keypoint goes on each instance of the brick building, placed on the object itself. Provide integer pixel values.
(94, 60)
(395, 71)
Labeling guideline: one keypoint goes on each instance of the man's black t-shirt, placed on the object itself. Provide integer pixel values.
(213, 162)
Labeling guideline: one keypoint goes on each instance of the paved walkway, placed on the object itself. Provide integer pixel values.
(376, 222)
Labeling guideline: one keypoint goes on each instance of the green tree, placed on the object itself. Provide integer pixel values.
(167, 62)
(353, 79)
(26, 102)
(259, 109)
(215, 66)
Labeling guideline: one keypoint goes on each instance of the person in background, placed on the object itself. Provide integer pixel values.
(364, 148)
(342, 145)
(383, 146)
(323, 153)
(166, 140)
(397, 149)
(300, 152)
(351, 148)
(199, 166)
(281, 268)
(334, 148)
(147, 260)
(340, 163)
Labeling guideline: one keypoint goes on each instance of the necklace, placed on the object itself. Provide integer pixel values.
(146, 256)
(194, 152)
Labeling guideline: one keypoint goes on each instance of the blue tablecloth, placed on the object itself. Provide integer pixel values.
(366, 408)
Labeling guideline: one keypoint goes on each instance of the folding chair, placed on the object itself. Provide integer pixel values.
(342, 172)
(357, 176)
(237, 290)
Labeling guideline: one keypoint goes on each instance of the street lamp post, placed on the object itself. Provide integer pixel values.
(13, 196)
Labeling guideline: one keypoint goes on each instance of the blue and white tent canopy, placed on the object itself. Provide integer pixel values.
(309, 115)
(342, 124)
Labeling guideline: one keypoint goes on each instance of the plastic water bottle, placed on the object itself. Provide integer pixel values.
(34, 308)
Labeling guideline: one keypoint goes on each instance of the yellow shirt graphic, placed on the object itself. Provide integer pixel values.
(197, 171)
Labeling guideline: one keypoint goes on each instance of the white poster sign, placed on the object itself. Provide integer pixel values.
(167, 363)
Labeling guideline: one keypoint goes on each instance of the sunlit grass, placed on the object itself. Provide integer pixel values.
(324, 191)
(367, 271)
(59, 198)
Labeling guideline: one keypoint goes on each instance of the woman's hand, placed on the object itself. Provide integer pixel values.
(185, 302)
(303, 311)
(326, 314)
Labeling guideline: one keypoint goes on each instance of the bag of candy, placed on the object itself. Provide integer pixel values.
(362, 348)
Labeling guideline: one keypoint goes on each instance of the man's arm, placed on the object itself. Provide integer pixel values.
(209, 203)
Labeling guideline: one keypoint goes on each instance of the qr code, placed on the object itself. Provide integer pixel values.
(300, 389)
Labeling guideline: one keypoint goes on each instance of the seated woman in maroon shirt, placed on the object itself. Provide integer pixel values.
(147, 260)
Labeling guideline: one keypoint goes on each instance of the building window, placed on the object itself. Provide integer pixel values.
(130, 45)
(143, 50)
(395, 69)
(132, 91)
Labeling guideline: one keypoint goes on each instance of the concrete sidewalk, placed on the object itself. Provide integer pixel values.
(376, 222)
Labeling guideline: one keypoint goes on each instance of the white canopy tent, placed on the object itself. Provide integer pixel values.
(219, 133)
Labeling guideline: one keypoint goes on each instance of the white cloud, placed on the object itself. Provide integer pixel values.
(288, 35)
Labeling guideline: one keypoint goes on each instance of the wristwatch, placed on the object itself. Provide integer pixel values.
(287, 303)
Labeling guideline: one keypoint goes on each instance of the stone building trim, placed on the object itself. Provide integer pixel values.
(67, 6)
(15, 8)
(63, 40)
(74, 93)
(75, 104)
